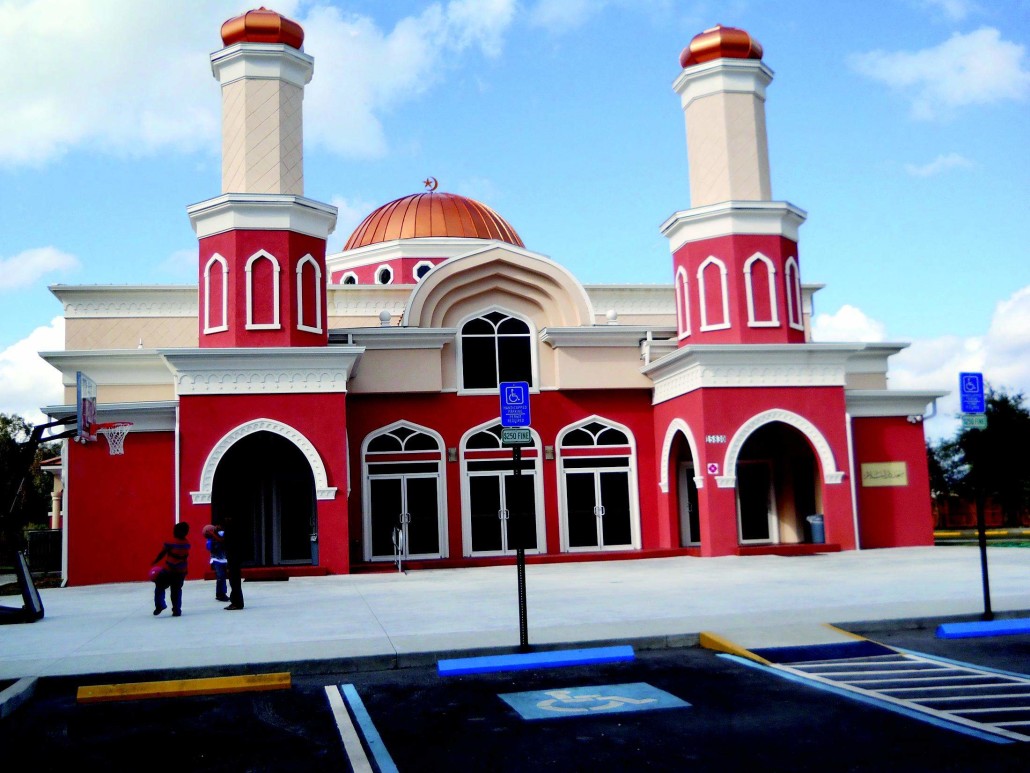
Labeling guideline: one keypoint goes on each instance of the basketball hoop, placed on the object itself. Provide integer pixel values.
(114, 432)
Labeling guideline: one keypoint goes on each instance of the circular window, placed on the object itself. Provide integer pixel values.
(384, 275)
(421, 269)
(350, 278)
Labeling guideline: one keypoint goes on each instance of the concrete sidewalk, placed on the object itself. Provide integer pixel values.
(324, 624)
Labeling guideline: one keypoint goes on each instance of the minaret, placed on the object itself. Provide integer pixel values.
(735, 250)
(262, 244)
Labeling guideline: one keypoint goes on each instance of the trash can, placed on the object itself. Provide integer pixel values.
(816, 528)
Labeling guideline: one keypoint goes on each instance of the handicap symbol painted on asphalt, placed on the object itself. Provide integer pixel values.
(595, 700)
(564, 700)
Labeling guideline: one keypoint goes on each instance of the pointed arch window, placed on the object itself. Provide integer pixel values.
(262, 272)
(792, 276)
(682, 302)
(493, 348)
(309, 295)
(760, 285)
(597, 474)
(713, 294)
(216, 295)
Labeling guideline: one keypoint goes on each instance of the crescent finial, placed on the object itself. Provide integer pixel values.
(430, 183)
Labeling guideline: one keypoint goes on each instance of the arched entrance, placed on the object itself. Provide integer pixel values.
(777, 486)
(265, 482)
(681, 478)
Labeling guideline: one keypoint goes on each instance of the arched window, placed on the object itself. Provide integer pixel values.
(384, 275)
(714, 295)
(682, 302)
(499, 507)
(309, 295)
(404, 493)
(216, 295)
(493, 348)
(760, 284)
(793, 279)
(262, 292)
(597, 470)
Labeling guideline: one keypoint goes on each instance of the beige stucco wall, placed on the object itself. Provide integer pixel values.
(128, 393)
(398, 370)
(262, 137)
(127, 332)
(594, 367)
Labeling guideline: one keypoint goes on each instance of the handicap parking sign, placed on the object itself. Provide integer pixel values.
(971, 392)
(514, 404)
(591, 701)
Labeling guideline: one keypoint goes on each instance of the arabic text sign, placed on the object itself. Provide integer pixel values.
(884, 474)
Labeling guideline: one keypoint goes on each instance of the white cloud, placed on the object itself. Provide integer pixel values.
(27, 267)
(362, 71)
(563, 15)
(942, 163)
(350, 212)
(952, 10)
(133, 78)
(180, 265)
(28, 381)
(847, 324)
(977, 68)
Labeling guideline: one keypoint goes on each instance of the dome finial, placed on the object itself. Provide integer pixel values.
(430, 183)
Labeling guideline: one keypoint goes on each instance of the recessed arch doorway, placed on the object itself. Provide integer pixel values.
(264, 482)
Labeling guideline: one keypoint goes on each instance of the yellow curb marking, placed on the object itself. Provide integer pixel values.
(713, 641)
(178, 688)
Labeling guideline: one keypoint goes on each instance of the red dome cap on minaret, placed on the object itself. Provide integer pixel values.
(262, 26)
(720, 43)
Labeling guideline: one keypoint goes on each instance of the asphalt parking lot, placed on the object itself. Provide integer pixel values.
(737, 718)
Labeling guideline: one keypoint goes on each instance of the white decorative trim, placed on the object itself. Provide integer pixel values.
(682, 289)
(602, 335)
(865, 403)
(261, 370)
(393, 337)
(111, 367)
(251, 325)
(262, 212)
(762, 218)
(157, 416)
(348, 275)
(107, 301)
(760, 365)
(678, 425)
(396, 249)
(792, 277)
(746, 76)
(749, 287)
(379, 270)
(633, 300)
(207, 475)
(822, 448)
(702, 293)
(300, 295)
(208, 328)
(262, 61)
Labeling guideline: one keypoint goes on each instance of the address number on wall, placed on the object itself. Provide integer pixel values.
(715, 438)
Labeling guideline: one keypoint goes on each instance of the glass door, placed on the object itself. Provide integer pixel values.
(756, 511)
(410, 503)
(500, 506)
(598, 511)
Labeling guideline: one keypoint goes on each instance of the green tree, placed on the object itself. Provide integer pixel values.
(31, 503)
(995, 462)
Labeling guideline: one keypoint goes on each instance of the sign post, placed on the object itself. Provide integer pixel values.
(974, 416)
(515, 432)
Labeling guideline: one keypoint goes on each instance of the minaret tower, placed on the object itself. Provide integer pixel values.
(735, 250)
(262, 244)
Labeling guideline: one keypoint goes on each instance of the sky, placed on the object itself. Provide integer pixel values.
(898, 125)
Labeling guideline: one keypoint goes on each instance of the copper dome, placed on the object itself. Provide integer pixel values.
(720, 43)
(437, 215)
(262, 26)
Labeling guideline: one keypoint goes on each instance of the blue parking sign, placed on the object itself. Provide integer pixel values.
(514, 404)
(971, 392)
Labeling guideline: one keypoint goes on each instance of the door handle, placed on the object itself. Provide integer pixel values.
(502, 514)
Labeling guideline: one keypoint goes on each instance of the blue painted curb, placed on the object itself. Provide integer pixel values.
(528, 660)
(983, 628)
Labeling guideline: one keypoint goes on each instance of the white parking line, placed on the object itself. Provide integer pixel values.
(351, 742)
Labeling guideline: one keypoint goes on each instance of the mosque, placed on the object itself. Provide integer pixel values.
(345, 408)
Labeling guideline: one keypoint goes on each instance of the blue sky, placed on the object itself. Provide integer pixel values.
(899, 125)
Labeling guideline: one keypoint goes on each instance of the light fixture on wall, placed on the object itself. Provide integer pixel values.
(452, 454)
(549, 453)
